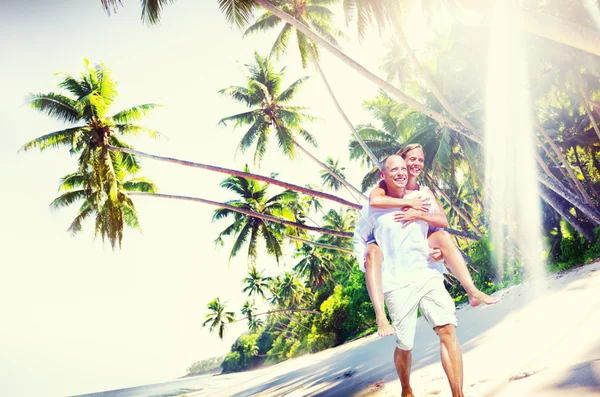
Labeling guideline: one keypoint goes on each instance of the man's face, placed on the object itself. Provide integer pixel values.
(414, 161)
(395, 172)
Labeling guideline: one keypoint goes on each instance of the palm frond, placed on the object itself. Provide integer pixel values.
(140, 184)
(240, 94)
(289, 92)
(265, 22)
(54, 139)
(134, 114)
(132, 129)
(66, 199)
(57, 106)
(238, 12)
(152, 9)
(281, 42)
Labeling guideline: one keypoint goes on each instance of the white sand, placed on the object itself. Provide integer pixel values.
(548, 345)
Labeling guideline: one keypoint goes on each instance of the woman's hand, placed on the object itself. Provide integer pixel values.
(420, 203)
(408, 216)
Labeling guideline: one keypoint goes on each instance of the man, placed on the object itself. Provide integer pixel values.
(409, 282)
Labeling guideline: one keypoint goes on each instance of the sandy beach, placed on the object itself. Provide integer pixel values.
(540, 340)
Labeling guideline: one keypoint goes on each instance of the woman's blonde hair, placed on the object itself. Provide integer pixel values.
(402, 152)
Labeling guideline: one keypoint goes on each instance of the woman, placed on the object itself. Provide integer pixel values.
(418, 201)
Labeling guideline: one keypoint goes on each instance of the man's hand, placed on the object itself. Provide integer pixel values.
(436, 254)
(420, 203)
(408, 216)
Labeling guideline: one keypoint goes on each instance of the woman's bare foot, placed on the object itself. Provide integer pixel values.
(384, 328)
(477, 297)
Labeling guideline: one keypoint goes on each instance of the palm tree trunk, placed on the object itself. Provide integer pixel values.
(561, 31)
(545, 168)
(584, 172)
(248, 175)
(441, 119)
(247, 212)
(547, 26)
(588, 210)
(588, 112)
(455, 208)
(564, 162)
(279, 311)
(331, 247)
(551, 157)
(330, 171)
(360, 141)
(429, 82)
(564, 212)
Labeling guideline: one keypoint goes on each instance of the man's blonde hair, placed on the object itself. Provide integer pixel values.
(402, 152)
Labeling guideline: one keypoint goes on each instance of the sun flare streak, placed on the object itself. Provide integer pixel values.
(512, 190)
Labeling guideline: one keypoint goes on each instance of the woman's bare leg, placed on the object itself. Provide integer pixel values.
(458, 267)
(373, 263)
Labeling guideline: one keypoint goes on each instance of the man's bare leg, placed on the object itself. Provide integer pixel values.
(373, 280)
(403, 362)
(458, 267)
(451, 358)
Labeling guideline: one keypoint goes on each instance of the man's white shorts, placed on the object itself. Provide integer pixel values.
(427, 294)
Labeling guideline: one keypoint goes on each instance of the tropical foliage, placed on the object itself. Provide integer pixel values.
(434, 97)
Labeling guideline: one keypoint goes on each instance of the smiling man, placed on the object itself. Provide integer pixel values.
(408, 281)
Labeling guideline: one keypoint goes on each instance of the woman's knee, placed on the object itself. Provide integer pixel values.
(439, 239)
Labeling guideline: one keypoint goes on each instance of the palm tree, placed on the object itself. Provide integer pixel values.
(218, 318)
(339, 220)
(249, 310)
(270, 112)
(314, 265)
(253, 197)
(287, 291)
(92, 131)
(256, 284)
(329, 181)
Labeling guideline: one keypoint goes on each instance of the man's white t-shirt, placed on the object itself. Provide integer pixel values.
(405, 249)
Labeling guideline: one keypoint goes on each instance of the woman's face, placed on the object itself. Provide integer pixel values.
(414, 162)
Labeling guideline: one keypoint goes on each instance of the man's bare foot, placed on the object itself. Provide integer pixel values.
(384, 328)
(477, 297)
(407, 392)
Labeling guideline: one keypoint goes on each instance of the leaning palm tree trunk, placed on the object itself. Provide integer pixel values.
(359, 139)
(428, 79)
(248, 175)
(586, 106)
(588, 210)
(247, 212)
(440, 118)
(564, 162)
(564, 212)
(331, 172)
(561, 31)
(544, 166)
(544, 25)
(551, 157)
(454, 207)
(316, 244)
(584, 172)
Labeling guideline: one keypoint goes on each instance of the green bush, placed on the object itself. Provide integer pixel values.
(232, 362)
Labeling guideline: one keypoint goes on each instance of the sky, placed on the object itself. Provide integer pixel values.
(78, 317)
